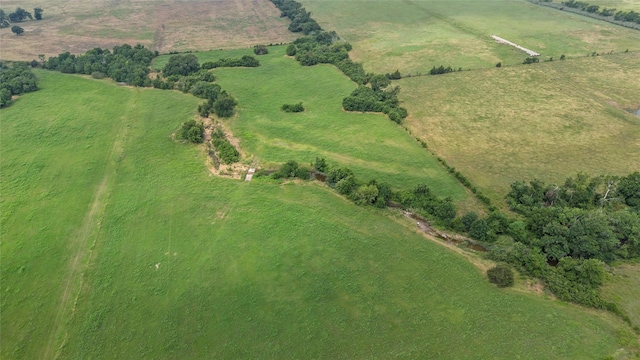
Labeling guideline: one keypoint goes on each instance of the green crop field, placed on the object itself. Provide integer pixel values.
(117, 243)
(413, 36)
(547, 121)
(369, 144)
(78, 25)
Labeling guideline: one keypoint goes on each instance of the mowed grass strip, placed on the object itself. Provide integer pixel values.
(546, 121)
(413, 36)
(370, 144)
(77, 26)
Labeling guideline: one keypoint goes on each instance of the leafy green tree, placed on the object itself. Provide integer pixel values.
(260, 50)
(224, 105)
(468, 219)
(501, 275)
(37, 13)
(5, 97)
(629, 188)
(366, 195)
(192, 131)
(320, 164)
(181, 65)
(20, 15)
(478, 230)
(291, 50)
(17, 29)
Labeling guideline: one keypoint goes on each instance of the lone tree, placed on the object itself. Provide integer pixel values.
(260, 50)
(17, 29)
(501, 275)
(37, 13)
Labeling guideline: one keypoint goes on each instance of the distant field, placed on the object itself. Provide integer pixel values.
(117, 243)
(623, 288)
(547, 121)
(370, 144)
(164, 25)
(413, 36)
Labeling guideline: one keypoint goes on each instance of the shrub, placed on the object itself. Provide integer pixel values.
(291, 50)
(260, 50)
(501, 275)
(192, 131)
(293, 107)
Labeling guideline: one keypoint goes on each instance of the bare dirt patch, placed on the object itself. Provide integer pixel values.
(164, 25)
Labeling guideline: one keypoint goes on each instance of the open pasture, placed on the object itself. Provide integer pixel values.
(164, 25)
(370, 144)
(413, 36)
(117, 243)
(547, 121)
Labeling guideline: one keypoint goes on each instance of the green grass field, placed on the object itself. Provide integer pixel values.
(413, 36)
(117, 243)
(623, 288)
(547, 121)
(369, 144)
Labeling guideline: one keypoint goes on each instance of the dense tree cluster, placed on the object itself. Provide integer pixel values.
(577, 226)
(192, 131)
(301, 20)
(183, 65)
(293, 107)
(379, 100)
(244, 61)
(125, 63)
(15, 80)
(628, 16)
(290, 170)
(225, 150)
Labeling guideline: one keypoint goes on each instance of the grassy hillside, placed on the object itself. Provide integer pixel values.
(623, 288)
(118, 244)
(547, 121)
(415, 35)
(369, 144)
(77, 26)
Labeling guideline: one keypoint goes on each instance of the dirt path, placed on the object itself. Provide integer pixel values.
(81, 245)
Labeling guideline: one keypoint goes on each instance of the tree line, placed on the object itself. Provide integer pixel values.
(628, 16)
(325, 47)
(15, 80)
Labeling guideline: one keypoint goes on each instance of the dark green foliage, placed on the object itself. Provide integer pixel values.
(260, 50)
(291, 50)
(478, 229)
(224, 105)
(225, 150)
(320, 164)
(379, 82)
(181, 65)
(293, 107)
(498, 65)
(336, 174)
(440, 70)
(422, 199)
(244, 61)
(394, 75)
(367, 99)
(15, 80)
(628, 16)
(5, 97)
(205, 90)
(20, 15)
(37, 13)
(468, 219)
(501, 275)
(629, 189)
(17, 29)
(562, 57)
(531, 60)
(192, 131)
(588, 272)
(291, 169)
(124, 64)
(301, 20)
(4, 20)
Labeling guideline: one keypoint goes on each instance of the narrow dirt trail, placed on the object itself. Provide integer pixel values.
(81, 246)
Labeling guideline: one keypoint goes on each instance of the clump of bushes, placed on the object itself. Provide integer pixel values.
(441, 70)
(260, 50)
(293, 107)
(181, 65)
(244, 61)
(501, 275)
(15, 80)
(225, 150)
(192, 131)
(531, 60)
(291, 169)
